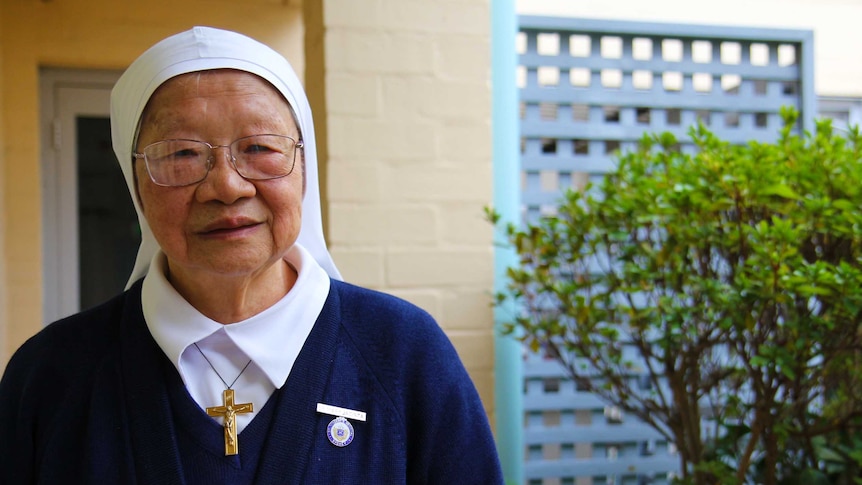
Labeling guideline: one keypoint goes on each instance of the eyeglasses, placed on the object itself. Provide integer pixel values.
(177, 163)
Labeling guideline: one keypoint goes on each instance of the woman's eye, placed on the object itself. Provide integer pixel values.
(257, 149)
(185, 153)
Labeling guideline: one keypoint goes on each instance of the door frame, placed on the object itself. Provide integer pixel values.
(64, 95)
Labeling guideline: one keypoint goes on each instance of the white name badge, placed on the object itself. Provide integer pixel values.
(343, 412)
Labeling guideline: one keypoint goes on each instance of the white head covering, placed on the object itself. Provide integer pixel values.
(200, 49)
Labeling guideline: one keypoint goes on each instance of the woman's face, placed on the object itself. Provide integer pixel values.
(225, 225)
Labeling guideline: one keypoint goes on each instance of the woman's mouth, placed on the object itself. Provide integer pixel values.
(229, 227)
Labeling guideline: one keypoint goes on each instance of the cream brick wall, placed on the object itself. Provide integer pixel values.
(408, 108)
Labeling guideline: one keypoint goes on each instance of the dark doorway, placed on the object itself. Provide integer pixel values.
(108, 230)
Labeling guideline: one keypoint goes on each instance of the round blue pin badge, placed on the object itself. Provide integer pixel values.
(340, 432)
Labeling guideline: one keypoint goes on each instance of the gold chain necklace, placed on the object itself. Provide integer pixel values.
(228, 410)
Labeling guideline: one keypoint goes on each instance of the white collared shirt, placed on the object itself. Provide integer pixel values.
(271, 340)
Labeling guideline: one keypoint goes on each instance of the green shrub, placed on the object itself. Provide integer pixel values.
(732, 279)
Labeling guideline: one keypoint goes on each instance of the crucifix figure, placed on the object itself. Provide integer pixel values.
(229, 410)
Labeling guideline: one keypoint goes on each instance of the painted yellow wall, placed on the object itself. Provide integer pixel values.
(3, 278)
(103, 34)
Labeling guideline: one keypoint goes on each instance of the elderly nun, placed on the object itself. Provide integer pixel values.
(236, 355)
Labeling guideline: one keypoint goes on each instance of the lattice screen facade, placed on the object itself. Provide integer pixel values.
(588, 89)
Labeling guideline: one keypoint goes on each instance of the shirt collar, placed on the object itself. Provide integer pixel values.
(272, 338)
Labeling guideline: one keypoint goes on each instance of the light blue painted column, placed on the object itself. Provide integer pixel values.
(808, 108)
(508, 364)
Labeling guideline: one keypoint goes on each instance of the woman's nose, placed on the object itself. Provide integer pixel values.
(223, 182)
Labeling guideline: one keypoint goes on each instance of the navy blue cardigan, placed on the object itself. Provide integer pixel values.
(86, 401)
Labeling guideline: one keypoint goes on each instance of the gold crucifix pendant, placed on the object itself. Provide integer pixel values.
(229, 410)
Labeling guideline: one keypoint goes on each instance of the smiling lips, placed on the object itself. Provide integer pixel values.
(228, 226)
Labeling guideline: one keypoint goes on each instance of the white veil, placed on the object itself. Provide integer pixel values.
(199, 49)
